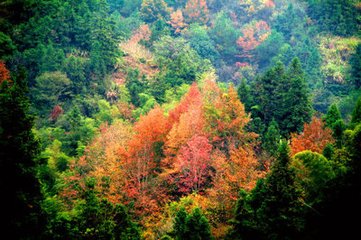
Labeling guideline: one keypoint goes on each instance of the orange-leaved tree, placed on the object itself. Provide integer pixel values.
(140, 160)
(4, 72)
(177, 21)
(314, 137)
(252, 36)
(196, 11)
(226, 120)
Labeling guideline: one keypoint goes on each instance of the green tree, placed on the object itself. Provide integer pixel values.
(200, 41)
(244, 94)
(198, 226)
(313, 172)
(271, 139)
(194, 226)
(283, 96)
(298, 107)
(21, 216)
(356, 67)
(332, 116)
(356, 114)
(276, 201)
(51, 89)
(180, 228)
(225, 35)
(153, 10)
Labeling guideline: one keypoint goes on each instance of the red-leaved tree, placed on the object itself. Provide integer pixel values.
(192, 166)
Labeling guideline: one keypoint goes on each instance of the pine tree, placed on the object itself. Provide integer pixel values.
(333, 120)
(283, 96)
(332, 116)
(356, 114)
(21, 215)
(198, 226)
(194, 226)
(180, 224)
(276, 201)
(271, 139)
(244, 94)
(298, 109)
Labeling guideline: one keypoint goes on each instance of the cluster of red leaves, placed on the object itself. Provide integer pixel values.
(56, 112)
(4, 72)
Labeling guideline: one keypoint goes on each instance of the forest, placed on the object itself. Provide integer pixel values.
(180, 119)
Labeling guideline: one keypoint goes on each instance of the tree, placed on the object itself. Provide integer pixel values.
(152, 10)
(199, 40)
(313, 171)
(198, 226)
(244, 94)
(298, 109)
(356, 114)
(226, 120)
(252, 36)
(4, 73)
(196, 11)
(356, 67)
(140, 160)
(314, 137)
(332, 116)
(51, 89)
(191, 226)
(333, 120)
(190, 123)
(180, 224)
(283, 96)
(225, 35)
(177, 21)
(276, 201)
(271, 139)
(193, 165)
(19, 152)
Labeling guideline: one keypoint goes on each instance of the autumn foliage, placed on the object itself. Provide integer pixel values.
(4, 72)
(197, 11)
(177, 21)
(314, 137)
(201, 146)
(253, 35)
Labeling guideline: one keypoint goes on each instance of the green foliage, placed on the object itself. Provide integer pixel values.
(244, 94)
(18, 165)
(283, 96)
(153, 10)
(355, 62)
(273, 210)
(336, 16)
(271, 139)
(332, 116)
(313, 172)
(225, 35)
(356, 114)
(91, 218)
(191, 226)
(51, 88)
(7, 46)
(201, 42)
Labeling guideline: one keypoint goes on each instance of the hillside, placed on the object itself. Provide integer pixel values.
(180, 119)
